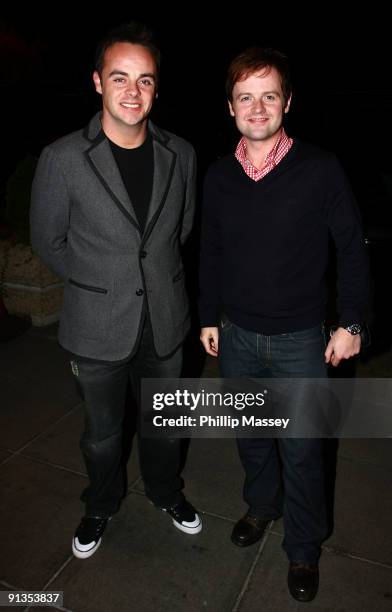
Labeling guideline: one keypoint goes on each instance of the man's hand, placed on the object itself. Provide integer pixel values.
(342, 345)
(209, 337)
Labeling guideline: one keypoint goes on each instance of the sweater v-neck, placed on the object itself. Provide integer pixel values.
(275, 171)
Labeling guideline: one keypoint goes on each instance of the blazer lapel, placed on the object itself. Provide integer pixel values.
(100, 158)
(164, 162)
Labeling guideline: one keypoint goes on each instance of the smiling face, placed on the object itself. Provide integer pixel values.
(128, 88)
(258, 105)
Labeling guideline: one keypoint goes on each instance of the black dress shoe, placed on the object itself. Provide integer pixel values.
(303, 581)
(248, 530)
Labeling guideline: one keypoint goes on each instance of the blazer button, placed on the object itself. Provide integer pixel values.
(143, 254)
(139, 292)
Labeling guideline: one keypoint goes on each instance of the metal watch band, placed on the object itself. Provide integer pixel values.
(354, 328)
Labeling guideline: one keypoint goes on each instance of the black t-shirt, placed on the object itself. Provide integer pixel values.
(137, 170)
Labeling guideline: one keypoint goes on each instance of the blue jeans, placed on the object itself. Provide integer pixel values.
(301, 500)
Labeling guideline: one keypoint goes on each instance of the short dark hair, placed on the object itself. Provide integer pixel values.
(257, 58)
(132, 32)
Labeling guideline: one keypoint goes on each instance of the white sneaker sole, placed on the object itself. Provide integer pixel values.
(85, 554)
(190, 528)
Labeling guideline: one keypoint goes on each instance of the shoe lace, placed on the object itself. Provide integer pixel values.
(183, 511)
(93, 524)
(175, 510)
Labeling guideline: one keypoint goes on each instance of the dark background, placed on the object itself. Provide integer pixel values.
(341, 68)
(341, 72)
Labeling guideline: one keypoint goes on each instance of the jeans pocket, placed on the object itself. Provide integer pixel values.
(74, 368)
(225, 323)
(308, 336)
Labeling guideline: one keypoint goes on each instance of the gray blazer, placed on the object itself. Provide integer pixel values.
(83, 226)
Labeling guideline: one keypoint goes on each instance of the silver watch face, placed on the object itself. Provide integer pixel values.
(354, 329)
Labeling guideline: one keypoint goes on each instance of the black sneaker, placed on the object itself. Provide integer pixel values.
(87, 538)
(185, 517)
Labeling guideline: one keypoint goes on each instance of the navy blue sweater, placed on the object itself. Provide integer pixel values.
(264, 251)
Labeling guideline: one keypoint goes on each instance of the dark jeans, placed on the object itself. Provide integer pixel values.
(300, 354)
(104, 388)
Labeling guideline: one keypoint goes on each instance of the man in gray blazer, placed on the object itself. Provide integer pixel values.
(111, 206)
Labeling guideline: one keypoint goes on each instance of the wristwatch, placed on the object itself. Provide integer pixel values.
(354, 328)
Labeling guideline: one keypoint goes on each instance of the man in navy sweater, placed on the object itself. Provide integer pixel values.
(269, 210)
